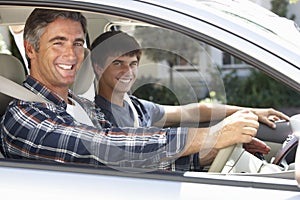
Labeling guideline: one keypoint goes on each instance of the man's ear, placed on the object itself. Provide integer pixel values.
(29, 50)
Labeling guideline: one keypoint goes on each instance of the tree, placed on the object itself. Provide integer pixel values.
(258, 89)
(165, 45)
(280, 7)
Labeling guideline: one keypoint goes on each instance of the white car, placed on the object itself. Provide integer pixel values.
(223, 50)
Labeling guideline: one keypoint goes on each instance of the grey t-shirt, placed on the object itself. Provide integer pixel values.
(148, 112)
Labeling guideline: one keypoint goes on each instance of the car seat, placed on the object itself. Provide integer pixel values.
(12, 69)
(85, 77)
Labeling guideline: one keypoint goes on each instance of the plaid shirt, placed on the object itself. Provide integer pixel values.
(45, 131)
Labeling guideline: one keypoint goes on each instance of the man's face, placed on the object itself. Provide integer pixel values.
(119, 75)
(60, 55)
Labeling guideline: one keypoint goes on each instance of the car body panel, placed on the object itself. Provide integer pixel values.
(60, 182)
(210, 21)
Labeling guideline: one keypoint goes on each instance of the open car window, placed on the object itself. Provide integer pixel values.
(178, 67)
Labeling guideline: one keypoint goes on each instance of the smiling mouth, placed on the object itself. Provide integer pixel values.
(124, 80)
(65, 67)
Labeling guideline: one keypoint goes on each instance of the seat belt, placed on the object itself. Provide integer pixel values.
(135, 114)
(12, 89)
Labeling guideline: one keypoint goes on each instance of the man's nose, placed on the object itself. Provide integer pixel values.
(127, 68)
(70, 52)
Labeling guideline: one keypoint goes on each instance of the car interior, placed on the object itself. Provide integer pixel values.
(15, 73)
(234, 159)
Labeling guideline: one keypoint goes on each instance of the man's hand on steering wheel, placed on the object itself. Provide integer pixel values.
(268, 116)
(257, 146)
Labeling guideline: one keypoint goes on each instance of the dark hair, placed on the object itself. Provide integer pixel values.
(113, 43)
(40, 18)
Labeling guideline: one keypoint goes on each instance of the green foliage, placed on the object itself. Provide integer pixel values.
(212, 98)
(156, 93)
(259, 90)
(165, 45)
(279, 7)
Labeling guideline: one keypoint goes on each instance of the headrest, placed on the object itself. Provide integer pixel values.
(13, 69)
(85, 76)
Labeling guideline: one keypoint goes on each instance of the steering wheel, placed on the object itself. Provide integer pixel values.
(279, 135)
(291, 141)
(221, 159)
(284, 151)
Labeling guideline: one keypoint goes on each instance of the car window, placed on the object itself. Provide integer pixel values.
(177, 69)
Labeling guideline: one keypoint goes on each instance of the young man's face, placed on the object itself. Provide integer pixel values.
(119, 75)
(60, 55)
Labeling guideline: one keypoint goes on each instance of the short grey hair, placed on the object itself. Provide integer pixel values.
(40, 18)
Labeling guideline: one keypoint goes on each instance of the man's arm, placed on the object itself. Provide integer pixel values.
(37, 131)
(47, 132)
(241, 127)
(205, 112)
(195, 112)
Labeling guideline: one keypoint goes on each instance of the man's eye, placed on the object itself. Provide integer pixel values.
(58, 43)
(133, 65)
(117, 63)
(80, 44)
